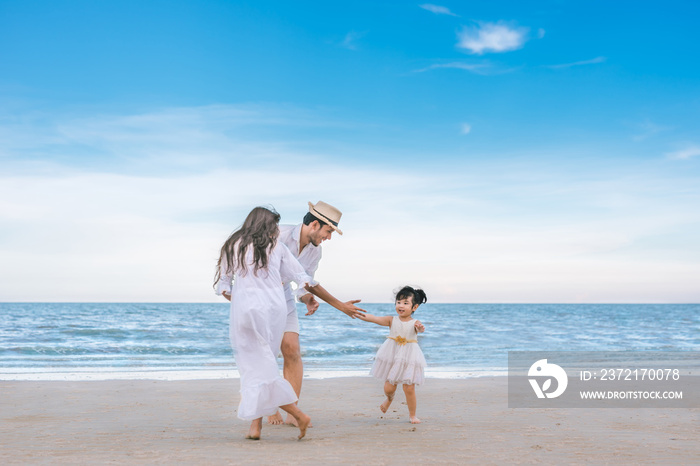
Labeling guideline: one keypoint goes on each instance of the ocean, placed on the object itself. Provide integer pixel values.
(87, 341)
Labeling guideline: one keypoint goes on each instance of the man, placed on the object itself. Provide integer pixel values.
(304, 241)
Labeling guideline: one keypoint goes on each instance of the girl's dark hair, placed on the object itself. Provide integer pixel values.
(259, 231)
(416, 294)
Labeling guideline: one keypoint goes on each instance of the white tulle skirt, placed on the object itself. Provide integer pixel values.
(396, 363)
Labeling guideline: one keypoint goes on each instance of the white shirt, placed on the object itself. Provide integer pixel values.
(308, 258)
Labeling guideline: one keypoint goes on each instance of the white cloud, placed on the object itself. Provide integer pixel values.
(351, 38)
(592, 61)
(163, 140)
(437, 9)
(648, 129)
(474, 230)
(684, 154)
(479, 68)
(492, 37)
(126, 237)
(466, 128)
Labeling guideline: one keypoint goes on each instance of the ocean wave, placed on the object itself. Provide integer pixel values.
(464, 336)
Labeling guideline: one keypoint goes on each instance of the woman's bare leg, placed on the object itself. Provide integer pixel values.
(255, 429)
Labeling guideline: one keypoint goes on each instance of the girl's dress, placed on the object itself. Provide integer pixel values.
(258, 319)
(400, 359)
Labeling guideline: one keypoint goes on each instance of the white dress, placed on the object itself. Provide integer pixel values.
(258, 318)
(400, 359)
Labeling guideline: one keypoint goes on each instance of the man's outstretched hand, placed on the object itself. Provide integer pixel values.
(350, 309)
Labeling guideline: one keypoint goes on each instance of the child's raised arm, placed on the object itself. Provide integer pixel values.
(379, 320)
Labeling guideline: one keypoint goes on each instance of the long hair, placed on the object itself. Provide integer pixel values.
(259, 231)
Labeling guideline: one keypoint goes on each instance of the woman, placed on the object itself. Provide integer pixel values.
(258, 315)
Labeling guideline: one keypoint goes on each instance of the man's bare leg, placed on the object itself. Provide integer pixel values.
(293, 369)
(302, 420)
(275, 419)
(389, 391)
(293, 372)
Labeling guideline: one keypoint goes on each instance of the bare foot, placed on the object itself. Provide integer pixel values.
(290, 421)
(384, 406)
(303, 421)
(275, 419)
(415, 420)
(255, 430)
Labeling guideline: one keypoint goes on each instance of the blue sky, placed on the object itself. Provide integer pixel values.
(487, 151)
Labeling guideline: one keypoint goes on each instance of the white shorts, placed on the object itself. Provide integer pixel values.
(292, 318)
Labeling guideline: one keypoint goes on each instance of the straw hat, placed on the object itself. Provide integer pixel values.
(326, 213)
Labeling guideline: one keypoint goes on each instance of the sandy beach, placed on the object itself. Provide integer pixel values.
(194, 422)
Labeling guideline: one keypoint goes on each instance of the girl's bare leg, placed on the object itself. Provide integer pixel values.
(410, 391)
(255, 429)
(389, 391)
(302, 419)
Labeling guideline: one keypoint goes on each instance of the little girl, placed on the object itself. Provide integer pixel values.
(400, 359)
